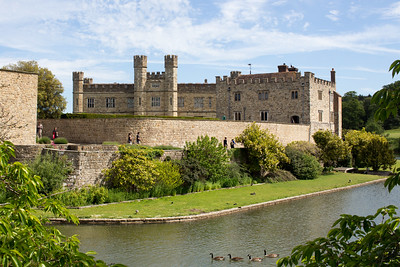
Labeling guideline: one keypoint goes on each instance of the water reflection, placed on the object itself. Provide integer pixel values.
(277, 229)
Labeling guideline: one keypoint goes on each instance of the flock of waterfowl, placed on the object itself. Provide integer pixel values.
(221, 258)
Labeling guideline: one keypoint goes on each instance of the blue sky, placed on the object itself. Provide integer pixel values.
(360, 39)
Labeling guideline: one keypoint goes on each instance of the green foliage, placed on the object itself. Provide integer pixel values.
(388, 100)
(305, 147)
(373, 126)
(353, 111)
(354, 241)
(165, 147)
(53, 170)
(89, 195)
(44, 140)
(138, 170)
(333, 149)
(280, 176)
(25, 240)
(204, 160)
(369, 150)
(60, 140)
(264, 149)
(51, 103)
(303, 165)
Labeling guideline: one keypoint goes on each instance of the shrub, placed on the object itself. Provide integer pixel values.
(53, 169)
(265, 151)
(89, 195)
(165, 147)
(60, 140)
(333, 148)
(44, 140)
(305, 147)
(302, 165)
(203, 160)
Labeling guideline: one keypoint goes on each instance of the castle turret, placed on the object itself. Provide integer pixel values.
(77, 78)
(171, 84)
(140, 72)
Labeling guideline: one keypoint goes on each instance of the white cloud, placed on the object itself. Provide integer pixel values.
(393, 11)
(293, 17)
(333, 15)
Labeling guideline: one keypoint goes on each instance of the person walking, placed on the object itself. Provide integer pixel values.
(130, 138)
(138, 138)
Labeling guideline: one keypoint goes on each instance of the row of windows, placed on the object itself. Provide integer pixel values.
(155, 102)
(263, 95)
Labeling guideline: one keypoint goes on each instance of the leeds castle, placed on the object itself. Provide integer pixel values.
(282, 97)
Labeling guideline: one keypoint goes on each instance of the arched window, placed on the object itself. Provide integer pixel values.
(295, 119)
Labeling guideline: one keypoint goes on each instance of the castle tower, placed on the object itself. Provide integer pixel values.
(171, 85)
(140, 72)
(77, 79)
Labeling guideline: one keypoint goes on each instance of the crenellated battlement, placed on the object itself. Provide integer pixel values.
(140, 61)
(77, 75)
(236, 78)
(171, 61)
(156, 75)
(87, 80)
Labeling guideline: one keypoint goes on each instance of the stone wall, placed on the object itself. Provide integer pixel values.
(88, 161)
(172, 132)
(18, 104)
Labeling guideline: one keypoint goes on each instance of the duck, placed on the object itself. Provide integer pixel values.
(234, 258)
(217, 258)
(272, 255)
(254, 259)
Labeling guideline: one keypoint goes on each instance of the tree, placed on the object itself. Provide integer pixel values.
(204, 160)
(353, 111)
(51, 103)
(356, 240)
(333, 149)
(24, 239)
(264, 149)
(369, 150)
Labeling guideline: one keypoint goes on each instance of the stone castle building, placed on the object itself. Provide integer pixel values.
(285, 97)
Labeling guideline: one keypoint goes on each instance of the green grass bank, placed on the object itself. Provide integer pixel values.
(217, 200)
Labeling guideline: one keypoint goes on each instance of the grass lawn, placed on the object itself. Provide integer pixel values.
(393, 133)
(220, 199)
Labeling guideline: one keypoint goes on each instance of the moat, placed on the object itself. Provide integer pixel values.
(275, 228)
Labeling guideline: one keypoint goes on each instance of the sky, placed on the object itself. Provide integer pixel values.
(359, 39)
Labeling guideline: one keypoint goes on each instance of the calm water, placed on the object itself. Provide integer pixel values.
(277, 229)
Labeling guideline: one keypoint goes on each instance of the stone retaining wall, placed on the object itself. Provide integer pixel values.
(156, 132)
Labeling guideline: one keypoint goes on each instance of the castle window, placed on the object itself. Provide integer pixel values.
(130, 101)
(295, 94)
(264, 115)
(181, 102)
(155, 85)
(263, 95)
(140, 101)
(110, 102)
(237, 96)
(209, 102)
(332, 116)
(237, 116)
(199, 102)
(90, 102)
(295, 119)
(319, 95)
(320, 113)
(155, 101)
(170, 101)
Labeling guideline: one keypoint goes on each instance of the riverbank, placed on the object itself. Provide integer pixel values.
(208, 204)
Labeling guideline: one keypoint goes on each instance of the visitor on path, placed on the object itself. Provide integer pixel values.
(40, 130)
(226, 142)
(55, 133)
(233, 143)
(130, 138)
(138, 138)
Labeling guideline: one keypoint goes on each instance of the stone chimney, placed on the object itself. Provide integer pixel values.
(333, 75)
(283, 68)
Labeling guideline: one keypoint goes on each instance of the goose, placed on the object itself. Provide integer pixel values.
(254, 259)
(217, 258)
(272, 255)
(234, 258)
